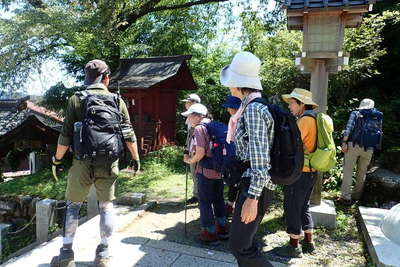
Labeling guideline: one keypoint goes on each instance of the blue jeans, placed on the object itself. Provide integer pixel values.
(211, 200)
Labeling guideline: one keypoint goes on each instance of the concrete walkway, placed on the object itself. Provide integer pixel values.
(126, 250)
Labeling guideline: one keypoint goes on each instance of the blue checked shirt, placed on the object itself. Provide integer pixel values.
(350, 123)
(253, 140)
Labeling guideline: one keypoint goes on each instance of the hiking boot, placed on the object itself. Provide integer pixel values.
(192, 200)
(65, 259)
(208, 238)
(102, 258)
(222, 232)
(343, 201)
(307, 247)
(288, 251)
(229, 210)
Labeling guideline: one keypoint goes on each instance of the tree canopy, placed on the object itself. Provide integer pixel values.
(74, 32)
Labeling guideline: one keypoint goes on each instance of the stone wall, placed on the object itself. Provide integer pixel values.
(17, 210)
(382, 186)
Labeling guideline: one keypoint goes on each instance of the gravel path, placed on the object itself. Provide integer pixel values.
(166, 222)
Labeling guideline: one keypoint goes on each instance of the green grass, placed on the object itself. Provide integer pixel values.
(162, 177)
(157, 183)
(40, 184)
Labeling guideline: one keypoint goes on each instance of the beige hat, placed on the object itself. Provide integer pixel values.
(244, 71)
(302, 95)
(366, 103)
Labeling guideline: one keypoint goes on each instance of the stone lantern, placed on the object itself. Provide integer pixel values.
(323, 23)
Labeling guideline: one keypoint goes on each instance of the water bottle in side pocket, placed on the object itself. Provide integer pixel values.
(77, 140)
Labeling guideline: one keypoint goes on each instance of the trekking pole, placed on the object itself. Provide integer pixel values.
(186, 189)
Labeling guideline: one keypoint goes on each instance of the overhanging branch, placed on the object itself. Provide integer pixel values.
(150, 7)
(38, 52)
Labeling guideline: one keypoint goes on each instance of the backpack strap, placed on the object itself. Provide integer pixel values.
(82, 94)
(307, 157)
(260, 100)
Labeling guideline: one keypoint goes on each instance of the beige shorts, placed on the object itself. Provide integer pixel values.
(81, 176)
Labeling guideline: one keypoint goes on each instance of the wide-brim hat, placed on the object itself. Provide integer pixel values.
(302, 95)
(197, 109)
(243, 72)
(232, 102)
(366, 103)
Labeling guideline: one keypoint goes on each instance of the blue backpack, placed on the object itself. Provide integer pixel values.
(223, 154)
(367, 131)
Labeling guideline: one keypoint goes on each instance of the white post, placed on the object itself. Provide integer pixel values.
(44, 218)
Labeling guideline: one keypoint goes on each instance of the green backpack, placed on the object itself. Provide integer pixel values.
(324, 157)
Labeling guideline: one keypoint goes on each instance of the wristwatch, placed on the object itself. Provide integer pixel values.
(252, 197)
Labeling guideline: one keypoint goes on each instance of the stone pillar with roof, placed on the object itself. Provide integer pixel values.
(323, 23)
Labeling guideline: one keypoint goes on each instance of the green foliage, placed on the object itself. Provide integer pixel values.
(56, 98)
(40, 184)
(16, 242)
(156, 178)
(171, 157)
(333, 177)
(75, 32)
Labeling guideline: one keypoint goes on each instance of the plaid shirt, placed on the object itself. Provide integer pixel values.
(350, 123)
(253, 140)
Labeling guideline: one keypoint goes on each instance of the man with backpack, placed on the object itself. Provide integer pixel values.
(253, 135)
(96, 125)
(189, 101)
(210, 184)
(362, 135)
(297, 195)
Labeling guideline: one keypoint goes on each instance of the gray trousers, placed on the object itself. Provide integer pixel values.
(194, 177)
(355, 154)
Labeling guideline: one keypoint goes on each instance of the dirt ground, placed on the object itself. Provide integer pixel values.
(166, 222)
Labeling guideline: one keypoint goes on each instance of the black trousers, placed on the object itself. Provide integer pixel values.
(297, 203)
(232, 193)
(241, 241)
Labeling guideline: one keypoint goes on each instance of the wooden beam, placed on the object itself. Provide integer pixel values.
(320, 11)
(353, 20)
(305, 32)
(340, 31)
(295, 23)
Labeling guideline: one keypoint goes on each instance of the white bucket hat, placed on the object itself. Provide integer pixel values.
(366, 103)
(192, 98)
(303, 95)
(243, 71)
(196, 108)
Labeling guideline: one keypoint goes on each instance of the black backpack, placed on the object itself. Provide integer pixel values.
(287, 154)
(98, 137)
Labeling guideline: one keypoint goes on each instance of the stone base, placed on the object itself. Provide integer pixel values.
(383, 251)
(324, 214)
(131, 199)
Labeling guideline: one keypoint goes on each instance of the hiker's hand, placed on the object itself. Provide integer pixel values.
(345, 147)
(249, 210)
(57, 166)
(186, 158)
(135, 165)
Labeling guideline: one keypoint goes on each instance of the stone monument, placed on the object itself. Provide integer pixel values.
(323, 23)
